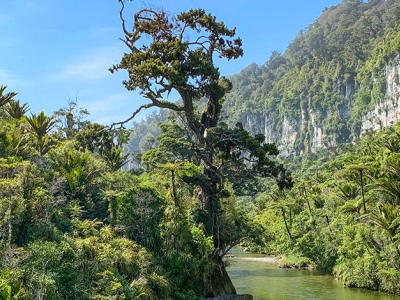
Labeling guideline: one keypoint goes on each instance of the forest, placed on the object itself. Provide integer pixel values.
(86, 215)
(330, 77)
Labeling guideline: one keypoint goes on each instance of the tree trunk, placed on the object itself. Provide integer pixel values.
(362, 191)
(306, 197)
(216, 278)
(286, 225)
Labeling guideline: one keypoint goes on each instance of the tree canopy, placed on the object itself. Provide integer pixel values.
(179, 55)
(74, 224)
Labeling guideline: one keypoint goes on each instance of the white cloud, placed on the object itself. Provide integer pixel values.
(10, 79)
(90, 66)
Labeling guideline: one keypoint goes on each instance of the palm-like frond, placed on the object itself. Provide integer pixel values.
(5, 98)
(388, 187)
(15, 110)
(348, 191)
(351, 206)
(386, 217)
(40, 124)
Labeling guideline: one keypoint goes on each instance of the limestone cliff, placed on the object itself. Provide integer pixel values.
(338, 79)
(385, 113)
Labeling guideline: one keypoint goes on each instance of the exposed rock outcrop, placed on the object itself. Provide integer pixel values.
(387, 112)
(308, 133)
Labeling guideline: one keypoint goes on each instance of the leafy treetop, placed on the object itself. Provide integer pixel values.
(179, 57)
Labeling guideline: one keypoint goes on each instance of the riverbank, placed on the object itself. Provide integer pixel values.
(286, 262)
(267, 259)
(295, 262)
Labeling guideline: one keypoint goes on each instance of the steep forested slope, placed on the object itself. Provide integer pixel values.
(320, 91)
(342, 214)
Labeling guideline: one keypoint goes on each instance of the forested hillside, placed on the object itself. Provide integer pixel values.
(337, 82)
(319, 92)
(73, 225)
(337, 79)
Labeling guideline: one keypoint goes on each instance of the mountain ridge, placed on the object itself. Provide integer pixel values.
(325, 87)
(333, 82)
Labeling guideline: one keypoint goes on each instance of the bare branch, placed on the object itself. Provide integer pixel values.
(126, 32)
(234, 243)
(155, 103)
(130, 37)
(144, 106)
(138, 15)
(201, 44)
(182, 32)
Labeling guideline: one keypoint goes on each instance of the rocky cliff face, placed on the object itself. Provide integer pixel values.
(338, 79)
(387, 112)
(311, 134)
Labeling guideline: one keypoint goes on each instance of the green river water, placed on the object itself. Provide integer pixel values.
(265, 281)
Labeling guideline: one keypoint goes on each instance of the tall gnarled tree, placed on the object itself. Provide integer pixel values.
(176, 53)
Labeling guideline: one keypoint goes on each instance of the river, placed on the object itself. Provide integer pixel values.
(265, 281)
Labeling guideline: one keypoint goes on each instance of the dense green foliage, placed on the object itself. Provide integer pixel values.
(176, 53)
(330, 76)
(74, 225)
(343, 213)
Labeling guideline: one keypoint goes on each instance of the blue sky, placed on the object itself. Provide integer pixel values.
(53, 51)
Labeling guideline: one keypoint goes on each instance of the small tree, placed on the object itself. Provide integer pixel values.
(15, 110)
(6, 98)
(40, 126)
(72, 119)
